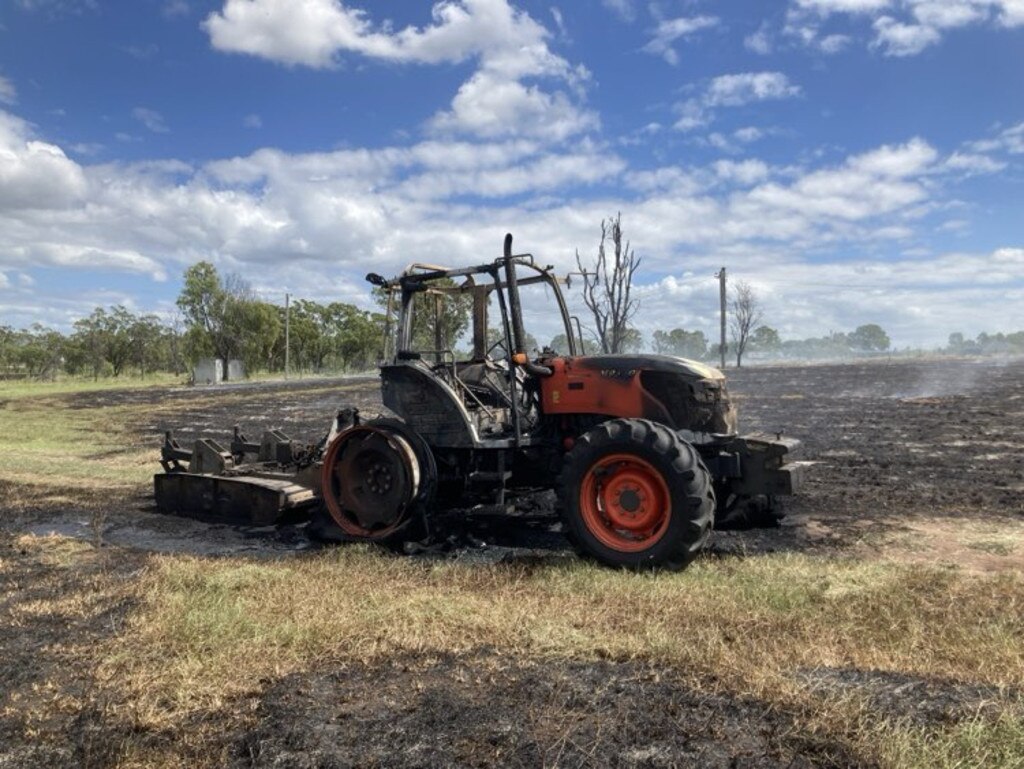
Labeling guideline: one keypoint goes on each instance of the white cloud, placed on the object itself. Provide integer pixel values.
(733, 90)
(831, 44)
(34, 174)
(1009, 140)
(828, 7)
(151, 119)
(1011, 13)
(510, 46)
(972, 164)
(671, 30)
(252, 121)
(745, 173)
(918, 300)
(898, 39)
(902, 27)
(743, 88)
(759, 41)
(948, 14)
(624, 9)
(491, 106)
(8, 93)
(284, 219)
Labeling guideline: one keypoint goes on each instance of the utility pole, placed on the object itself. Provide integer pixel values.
(287, 333)
(721, 293)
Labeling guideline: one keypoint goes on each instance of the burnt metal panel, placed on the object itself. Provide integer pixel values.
(428, 405)
(240, 499)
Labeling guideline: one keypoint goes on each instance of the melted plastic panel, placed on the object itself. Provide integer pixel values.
(701, 406)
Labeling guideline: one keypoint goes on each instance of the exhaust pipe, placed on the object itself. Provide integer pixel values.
(518, 335)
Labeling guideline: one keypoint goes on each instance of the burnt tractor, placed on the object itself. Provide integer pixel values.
(642, 451)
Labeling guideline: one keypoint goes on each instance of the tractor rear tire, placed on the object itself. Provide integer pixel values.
(635, 495)
(393, 480)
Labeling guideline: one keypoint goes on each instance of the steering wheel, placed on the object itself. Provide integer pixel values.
(493, 347)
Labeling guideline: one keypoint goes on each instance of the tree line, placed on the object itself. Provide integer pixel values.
(217, 316)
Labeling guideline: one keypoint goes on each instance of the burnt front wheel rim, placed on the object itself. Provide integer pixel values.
(625, 502)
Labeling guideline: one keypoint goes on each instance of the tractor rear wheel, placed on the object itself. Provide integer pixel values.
(633, 494)
(377, 478)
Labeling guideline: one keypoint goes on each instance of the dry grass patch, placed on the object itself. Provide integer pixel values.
(208, 632)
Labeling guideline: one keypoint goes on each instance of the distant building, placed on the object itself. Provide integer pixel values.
(208, 371)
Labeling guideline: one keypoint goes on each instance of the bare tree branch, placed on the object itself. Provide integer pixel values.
(607, 288)
(746, 317)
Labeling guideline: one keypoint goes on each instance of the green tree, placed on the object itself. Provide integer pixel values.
(148, 343)
(561, 346)
(258, 326)
(869, 338)
(207, 306)
(765, 339)
(39, 351)
(447, 311)
(681, 343)
(225, 319)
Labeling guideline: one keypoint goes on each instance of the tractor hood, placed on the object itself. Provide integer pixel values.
(664, 363)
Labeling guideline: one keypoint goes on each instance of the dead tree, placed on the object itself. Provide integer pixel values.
(607, 287)
(746, 315)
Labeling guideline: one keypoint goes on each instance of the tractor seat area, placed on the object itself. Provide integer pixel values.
(486, 379)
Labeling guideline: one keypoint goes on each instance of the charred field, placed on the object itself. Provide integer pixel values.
(880, 624)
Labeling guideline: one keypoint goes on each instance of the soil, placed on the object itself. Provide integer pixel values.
(915, 460)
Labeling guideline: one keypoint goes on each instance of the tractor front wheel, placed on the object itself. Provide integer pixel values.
(633, 494)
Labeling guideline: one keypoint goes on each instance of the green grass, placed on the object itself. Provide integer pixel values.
(25, 388)
(45, 444)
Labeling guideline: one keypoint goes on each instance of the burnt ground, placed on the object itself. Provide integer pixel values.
(483, 709)
(915, 460)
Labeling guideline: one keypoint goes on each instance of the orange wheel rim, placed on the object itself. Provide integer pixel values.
(625, 502)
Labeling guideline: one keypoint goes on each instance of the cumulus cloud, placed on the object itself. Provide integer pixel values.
(972, 164)
(669, 31)
(901, 27)
(733, 90)
(746, 172)
(898, 39)
(285, 219)
(746, 87)
(510, 46)
(1009, 140)
(34, 174)
(827, 7)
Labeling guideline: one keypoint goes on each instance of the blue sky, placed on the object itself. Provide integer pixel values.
(854, 160)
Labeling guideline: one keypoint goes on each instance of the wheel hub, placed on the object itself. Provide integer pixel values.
(625, 501)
